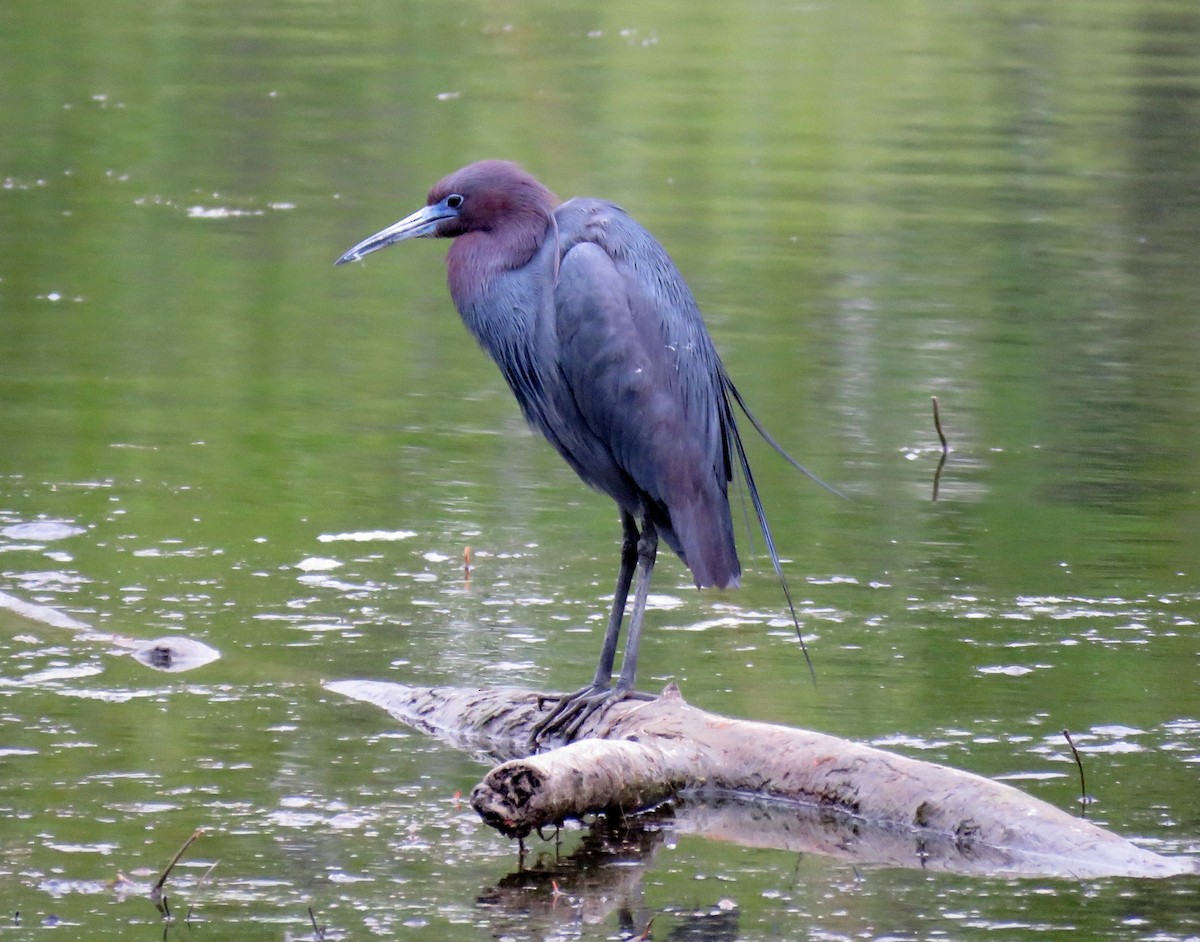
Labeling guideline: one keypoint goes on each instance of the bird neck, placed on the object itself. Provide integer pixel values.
(477, 258)
(509, 309)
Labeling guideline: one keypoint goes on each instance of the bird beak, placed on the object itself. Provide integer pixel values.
(421, 224)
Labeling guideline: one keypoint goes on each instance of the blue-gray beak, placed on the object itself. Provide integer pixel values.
(420, 225)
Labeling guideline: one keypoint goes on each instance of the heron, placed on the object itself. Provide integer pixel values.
(603, 345)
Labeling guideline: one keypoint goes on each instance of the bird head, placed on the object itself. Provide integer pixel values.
(481, 197)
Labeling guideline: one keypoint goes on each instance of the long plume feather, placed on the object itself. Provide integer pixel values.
(756, 501)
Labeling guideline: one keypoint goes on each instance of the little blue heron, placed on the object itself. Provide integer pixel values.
(603, 345)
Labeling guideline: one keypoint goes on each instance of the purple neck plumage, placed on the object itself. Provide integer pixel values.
(504, 226)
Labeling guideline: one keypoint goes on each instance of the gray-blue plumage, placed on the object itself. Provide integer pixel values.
(611, 362)
(604, 347)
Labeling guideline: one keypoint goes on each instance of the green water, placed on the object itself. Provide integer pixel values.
(996, 204)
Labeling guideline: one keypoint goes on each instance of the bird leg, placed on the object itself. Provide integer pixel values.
(647, 552)
(572, 709)
(629, 557)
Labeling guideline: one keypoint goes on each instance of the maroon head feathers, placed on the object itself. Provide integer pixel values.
(493, 194)
(502, 216)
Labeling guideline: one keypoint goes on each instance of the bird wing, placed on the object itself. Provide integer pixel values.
(646, 380)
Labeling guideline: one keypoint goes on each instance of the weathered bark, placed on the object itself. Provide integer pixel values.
(639, 753)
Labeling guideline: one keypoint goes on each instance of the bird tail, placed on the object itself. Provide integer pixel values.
(756, 501)
(704, 541)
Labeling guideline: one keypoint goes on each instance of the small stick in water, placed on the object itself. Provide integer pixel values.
(156, 890)
(199, 883)
(937, 424)
(318, 931)
(1083, 798)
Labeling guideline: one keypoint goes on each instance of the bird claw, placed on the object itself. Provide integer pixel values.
(564, 721)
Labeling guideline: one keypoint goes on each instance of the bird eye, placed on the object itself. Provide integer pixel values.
(454, 201)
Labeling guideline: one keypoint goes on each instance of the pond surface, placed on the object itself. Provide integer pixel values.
(209, 432)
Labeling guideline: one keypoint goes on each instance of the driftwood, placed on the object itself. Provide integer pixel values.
(758, 784)
(171, 654)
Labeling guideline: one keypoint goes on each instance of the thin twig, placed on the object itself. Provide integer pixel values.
(937, 476)
(1083, 799)
(157, 888)
(318, 931)
(937, 424)
(645, 933)
(199, 883)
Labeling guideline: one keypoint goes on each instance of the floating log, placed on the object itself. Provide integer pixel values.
(171, 654)
(857, 802)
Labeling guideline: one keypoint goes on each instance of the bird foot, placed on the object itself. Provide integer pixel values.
(574, 709)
